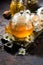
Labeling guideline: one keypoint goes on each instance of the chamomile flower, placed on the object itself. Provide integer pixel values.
(30, 38)
(22, 51)
(27, 11)
(8, 37)
(40, 13)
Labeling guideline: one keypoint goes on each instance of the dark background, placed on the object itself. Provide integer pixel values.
(35, 57)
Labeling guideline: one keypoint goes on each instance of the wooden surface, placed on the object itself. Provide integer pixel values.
(35, 56)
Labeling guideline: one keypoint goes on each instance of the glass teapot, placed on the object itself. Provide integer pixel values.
(20, 25)
(16, 6)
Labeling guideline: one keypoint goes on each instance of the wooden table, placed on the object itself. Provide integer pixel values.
(35, 56)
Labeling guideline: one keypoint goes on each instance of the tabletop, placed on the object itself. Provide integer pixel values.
(35, 57)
